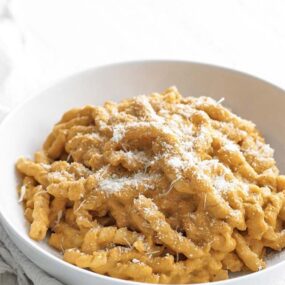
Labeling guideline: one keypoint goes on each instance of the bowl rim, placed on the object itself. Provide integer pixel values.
(9, 227)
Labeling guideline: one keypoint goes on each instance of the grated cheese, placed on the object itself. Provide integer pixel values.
(23, 190)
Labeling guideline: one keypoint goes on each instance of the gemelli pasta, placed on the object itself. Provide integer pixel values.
(159, 188)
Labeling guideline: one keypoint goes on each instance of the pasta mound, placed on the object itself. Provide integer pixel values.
(159, 188)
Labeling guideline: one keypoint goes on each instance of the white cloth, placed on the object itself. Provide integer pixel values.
(16, 268)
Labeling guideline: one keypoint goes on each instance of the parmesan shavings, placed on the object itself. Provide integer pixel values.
(115, 184)
(220, 101)
(23, 190)
(118, 133)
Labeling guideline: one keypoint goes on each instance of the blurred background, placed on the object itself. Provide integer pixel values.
(43, 40)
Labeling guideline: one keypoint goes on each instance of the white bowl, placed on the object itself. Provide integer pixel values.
(24, 129)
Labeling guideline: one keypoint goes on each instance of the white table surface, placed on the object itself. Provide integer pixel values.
(41, 41)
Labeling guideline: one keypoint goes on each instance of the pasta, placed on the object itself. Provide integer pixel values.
(159, 188)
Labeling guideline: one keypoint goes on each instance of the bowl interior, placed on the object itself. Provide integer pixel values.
(25, 129)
